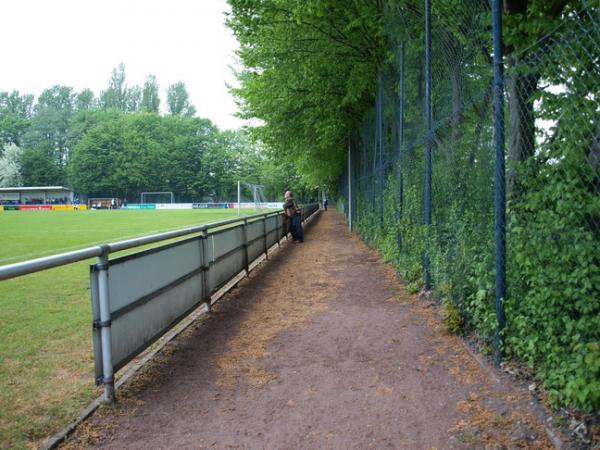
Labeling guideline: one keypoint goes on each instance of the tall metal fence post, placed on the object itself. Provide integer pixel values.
(401, 104)
(105, 322)
(349, 186)
(379, 149)
(428, 131)
(499, 181)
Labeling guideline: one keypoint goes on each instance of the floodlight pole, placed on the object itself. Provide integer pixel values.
(239, 196)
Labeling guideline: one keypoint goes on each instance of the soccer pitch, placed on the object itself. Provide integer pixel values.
(46, 361)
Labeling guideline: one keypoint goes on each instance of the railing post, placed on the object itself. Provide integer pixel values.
(499, 191)
(205, 269)
(277, 231)
(246, 258)
(265, 245)
(105, 322)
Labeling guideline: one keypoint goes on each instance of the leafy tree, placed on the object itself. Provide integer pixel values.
(93, 160)
(14, 102)
(116, 94)
(178, 100)
(150, 95)
(278, 177)
(59, 98)
(127, 154)
(10, 166)
(309, 75)
(49, 127)
(84, 120)
(15, 113)
(527, 21)
(12, 128)
(133, 102)
(48, 134)
(38, 168)
(85, 100)
(188, 168)
(123, 154)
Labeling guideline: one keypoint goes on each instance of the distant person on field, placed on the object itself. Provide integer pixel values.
(325, 203)
(112, 203)
(293, 214)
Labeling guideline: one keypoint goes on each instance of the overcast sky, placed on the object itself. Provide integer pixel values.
(78, 42)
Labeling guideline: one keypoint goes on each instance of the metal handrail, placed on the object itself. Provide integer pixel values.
(36, 265)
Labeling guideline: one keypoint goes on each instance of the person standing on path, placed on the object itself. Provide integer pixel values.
(293, 214)
(325, 203)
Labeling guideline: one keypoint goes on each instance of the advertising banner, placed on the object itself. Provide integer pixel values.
(62, 208)
(173, 206)
(35, 208)
(140, 206)
(210, 205)
(263, 205)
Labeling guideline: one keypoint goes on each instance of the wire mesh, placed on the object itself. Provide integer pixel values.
(553, 179)
(553, 149)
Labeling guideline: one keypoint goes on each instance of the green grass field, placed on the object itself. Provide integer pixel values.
(46, 361)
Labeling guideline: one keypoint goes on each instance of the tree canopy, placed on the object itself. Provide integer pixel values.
(117, 144)
(308, 75)
(310, 68)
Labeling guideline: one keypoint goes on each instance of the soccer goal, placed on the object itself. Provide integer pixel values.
(157, 197)
(258, 196)
(251, 195)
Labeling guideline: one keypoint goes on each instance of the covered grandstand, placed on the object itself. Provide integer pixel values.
(36, 195)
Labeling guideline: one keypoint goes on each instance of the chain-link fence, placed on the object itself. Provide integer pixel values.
(419, 184)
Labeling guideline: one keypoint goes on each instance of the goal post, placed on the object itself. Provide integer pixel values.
(254, 194)
(157, 197)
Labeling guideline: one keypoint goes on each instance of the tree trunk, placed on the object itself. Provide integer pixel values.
(521, 126)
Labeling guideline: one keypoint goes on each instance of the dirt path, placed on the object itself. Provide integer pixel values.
(319, 348)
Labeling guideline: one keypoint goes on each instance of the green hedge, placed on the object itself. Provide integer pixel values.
(553, 270)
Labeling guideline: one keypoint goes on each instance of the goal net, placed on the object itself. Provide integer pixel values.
(157, 197)
(254, 194)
